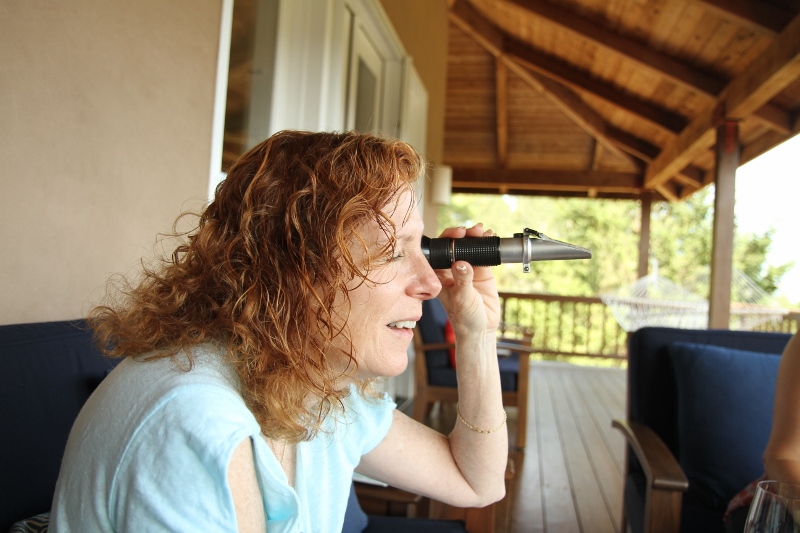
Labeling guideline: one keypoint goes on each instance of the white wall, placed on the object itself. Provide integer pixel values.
(105, 132)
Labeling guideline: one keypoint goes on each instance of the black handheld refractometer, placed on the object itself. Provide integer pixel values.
(530, 245)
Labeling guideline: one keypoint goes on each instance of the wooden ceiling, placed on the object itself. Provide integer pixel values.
(614, 98)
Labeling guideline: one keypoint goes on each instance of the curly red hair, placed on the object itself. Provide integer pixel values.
(260, 274)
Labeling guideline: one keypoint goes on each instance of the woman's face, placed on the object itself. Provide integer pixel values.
(385, 309)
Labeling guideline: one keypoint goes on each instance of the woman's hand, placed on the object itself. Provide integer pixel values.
(469, 293)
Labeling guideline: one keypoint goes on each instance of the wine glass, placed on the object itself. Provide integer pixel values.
(775, 508)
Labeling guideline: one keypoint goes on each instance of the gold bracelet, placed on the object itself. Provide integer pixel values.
(477, 429)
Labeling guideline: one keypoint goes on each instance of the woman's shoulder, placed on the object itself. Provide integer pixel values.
(144, 392)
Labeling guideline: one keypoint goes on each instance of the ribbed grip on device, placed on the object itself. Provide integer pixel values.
(478, 251)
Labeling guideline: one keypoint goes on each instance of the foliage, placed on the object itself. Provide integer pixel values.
(680, 243)
(608, 227)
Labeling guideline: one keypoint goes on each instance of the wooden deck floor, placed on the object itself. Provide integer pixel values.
(569, 477)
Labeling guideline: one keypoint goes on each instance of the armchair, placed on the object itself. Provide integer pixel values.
(435, 377)
(699, 416)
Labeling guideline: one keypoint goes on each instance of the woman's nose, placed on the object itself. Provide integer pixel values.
(427, 283)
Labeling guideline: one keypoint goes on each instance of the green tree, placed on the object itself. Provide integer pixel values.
(608, 227)
(680, 242)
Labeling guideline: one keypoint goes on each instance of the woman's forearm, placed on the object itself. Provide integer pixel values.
(479, 440)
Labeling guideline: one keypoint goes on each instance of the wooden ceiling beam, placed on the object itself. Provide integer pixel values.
(547, 180)
(477, 27)
(643, 150)
(492, 40)
(632, 144)
(558, 194)
(669, 191)
(501, 110)
(680, 73)
(570, 104)
(579, 80)
(597, 152)
(774, 118)
(765, 142)
(689, 185)
(776, 68)
(692, 176)
(758, 16)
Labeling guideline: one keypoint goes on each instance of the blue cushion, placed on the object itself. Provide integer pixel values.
(355, 519)
(725, 400)
(431, 329)
(440, 372)
(47, 372)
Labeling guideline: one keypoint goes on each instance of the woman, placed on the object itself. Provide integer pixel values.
(782, 454)
(243, 400)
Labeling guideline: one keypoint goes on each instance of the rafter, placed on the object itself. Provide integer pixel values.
(498, 44)
(765, 77)
(547, 180)
(580, 80)
(774, 118)
(570, 104)
(494, 41)
(758, 95)
(670, 191)
(758, 16)
(643, 150)
(764, 143)
(678, 72)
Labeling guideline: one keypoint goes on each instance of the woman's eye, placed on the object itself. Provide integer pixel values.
(397, 257)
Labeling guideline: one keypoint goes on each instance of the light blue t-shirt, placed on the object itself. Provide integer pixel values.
(150, 450)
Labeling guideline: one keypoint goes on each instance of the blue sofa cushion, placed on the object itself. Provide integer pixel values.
(355, 519)
(431, 328)
(47, 372)
(725, 399)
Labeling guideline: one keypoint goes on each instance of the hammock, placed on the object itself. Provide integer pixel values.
(657, 301)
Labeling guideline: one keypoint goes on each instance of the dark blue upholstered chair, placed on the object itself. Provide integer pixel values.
(435, 378)
(699, 416)
(47, 372)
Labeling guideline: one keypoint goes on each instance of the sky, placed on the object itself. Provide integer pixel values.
(768, 196)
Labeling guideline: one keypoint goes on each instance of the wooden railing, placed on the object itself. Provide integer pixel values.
(584, 326)
(566, 325)
(789, 324)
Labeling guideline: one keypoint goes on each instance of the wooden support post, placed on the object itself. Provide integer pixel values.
(644, 234)
(727, 156)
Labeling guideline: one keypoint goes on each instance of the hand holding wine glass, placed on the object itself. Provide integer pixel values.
(775, 508)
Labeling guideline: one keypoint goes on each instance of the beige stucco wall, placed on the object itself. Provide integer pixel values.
(105, 135)
(422, 27)
(105, 132)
